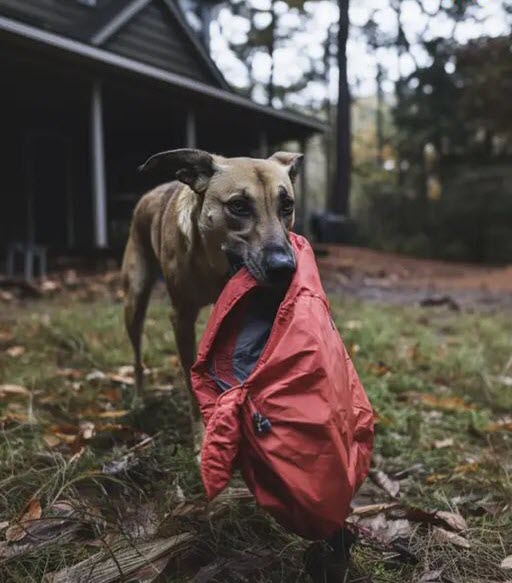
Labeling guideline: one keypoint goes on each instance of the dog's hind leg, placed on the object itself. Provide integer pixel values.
(183, 319)
(139, 275)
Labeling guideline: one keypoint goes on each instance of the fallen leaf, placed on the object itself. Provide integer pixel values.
(96, 375)
(435, 478)
(174, 361)
(69, 373)
(6, 296)
(443, 443)
(4, 524)
(506, 563)
(370, 509)
(452, 519)
(379, 369)
(437, 402)
(15, 351)
(6, 390)
(431, 576)
(122, 379)
(48, 285)
(51, 440)
(113, 414)
(468, 468)
(18, 530)
(445, 536)
(501, 425)
(353, 325)
(381, 529)
(112, 394)
(392, 487)
(65, 432)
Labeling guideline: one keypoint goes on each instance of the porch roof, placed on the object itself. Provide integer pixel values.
(294, 124)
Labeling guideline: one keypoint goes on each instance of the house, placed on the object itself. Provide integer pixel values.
(90, 89)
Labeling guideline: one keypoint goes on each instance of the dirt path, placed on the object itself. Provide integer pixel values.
(396, 279)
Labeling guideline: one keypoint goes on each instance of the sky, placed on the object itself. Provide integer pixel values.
(291, 60)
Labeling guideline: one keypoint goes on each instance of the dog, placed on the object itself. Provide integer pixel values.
(217, 214)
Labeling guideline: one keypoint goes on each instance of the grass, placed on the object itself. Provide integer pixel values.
(431, 375)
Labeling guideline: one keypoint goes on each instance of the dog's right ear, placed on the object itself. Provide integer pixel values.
(192, 167)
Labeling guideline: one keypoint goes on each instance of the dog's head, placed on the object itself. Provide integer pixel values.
(247, 205)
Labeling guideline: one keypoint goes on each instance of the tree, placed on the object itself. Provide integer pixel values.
(340, 194)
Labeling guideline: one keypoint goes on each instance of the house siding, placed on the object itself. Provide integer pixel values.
(62, 16)
(154, 38)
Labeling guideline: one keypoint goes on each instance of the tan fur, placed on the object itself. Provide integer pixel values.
(184, 231)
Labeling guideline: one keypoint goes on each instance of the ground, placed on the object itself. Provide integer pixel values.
(82, 477)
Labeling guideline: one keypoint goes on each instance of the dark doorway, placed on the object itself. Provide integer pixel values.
(50, 217)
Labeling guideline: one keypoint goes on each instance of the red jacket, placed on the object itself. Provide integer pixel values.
(299, 424)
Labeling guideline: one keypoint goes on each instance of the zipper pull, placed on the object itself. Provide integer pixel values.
(261, 424)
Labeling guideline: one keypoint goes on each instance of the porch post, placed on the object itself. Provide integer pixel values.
(191, 129)
(99, 189)
(263, 146)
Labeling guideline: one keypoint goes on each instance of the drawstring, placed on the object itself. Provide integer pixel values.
(261, 424)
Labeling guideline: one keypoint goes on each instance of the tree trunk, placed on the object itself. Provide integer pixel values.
(340, 194)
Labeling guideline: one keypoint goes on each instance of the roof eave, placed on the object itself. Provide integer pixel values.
(101, 56)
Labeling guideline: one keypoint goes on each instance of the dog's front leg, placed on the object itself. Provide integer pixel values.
(183, 320)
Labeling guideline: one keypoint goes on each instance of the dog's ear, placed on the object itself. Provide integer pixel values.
(192, 167)
(291, 160)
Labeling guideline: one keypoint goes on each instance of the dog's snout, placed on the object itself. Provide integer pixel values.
(279, 262)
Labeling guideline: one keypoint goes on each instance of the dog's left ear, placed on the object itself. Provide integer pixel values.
(291, 160)
(192, 167)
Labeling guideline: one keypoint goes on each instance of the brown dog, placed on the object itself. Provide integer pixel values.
(223, 212)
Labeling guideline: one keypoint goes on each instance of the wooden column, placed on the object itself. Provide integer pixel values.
(99, 189)
(191, 129)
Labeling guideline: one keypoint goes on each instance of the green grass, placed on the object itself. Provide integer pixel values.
(397, 351)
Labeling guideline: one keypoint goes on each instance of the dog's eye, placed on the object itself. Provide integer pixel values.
(239, 207)
(287, 206)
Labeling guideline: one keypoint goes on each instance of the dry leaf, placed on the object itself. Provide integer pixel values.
(442, 443)
(501, 425)
(51, 440)
(431, 576)
(435, 478)
(380, 369)
(122, 379)
(69, 373)
(353, 325)
(443, 403)
(506, 563)
(18, 530)
(112, 394)
(6, 390)
(452, 519)
(445, 536)
(383, 530)
(96, 375)
(16, 351)
(113, 414)
(174, 361)
(392, 487)
(370, 509)
(87, 430)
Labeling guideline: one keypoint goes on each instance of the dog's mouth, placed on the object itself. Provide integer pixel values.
(236, 262)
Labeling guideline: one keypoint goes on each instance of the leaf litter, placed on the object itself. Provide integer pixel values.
(113, 459)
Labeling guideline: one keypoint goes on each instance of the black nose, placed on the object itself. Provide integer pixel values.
(278, 262)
